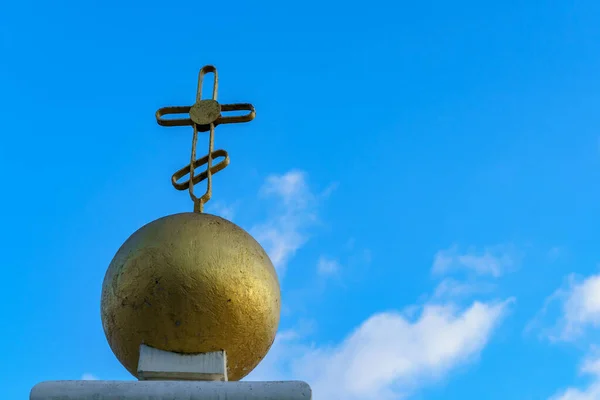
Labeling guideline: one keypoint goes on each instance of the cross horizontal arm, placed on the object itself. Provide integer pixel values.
(203, 128)
(238, 118)
(174, 110)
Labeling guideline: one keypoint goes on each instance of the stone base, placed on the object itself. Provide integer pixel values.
(170, 390)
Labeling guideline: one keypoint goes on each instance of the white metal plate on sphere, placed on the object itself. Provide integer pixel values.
(170, 390)
(159, 365)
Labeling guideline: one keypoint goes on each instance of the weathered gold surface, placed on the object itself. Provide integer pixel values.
(191, 283)
(205, 112)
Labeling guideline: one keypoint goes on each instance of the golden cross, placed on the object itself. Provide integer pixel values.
(203, 116)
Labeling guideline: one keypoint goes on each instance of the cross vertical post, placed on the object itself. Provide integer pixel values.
(204, 116)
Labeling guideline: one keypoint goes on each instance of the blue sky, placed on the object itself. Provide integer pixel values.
(424, 175)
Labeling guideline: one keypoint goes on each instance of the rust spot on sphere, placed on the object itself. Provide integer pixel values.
(191, 283)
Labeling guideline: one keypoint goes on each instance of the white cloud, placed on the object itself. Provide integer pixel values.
(290, 187)
(221, 209)
(391, 354)
(592, 392)
(579, 312)
(295, 212)
(453, 289)
(582, 307)
(591, 366)
(327, 266)
(388, 356)
(88, 377)
(493, 261)
(579, 309)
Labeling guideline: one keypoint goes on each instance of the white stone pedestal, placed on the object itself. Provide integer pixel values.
(170, 390)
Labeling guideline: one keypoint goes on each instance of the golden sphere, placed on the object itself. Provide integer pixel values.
(191, 283)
